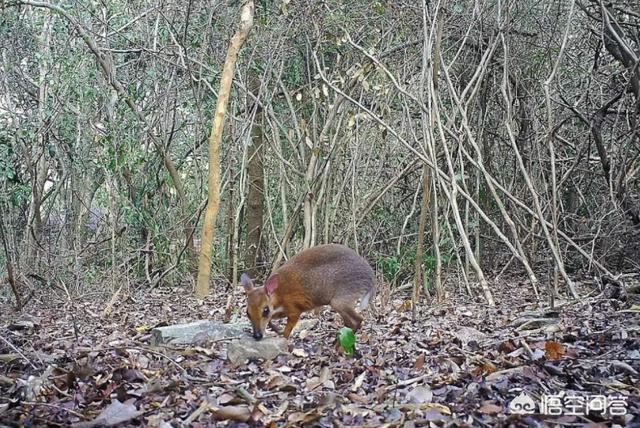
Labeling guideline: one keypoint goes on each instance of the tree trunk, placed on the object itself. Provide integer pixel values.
(213, 204)
(11, 277)
(424, 212)
(255, 179)
(40, 166)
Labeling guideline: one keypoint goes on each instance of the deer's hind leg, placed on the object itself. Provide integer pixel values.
(351, 318)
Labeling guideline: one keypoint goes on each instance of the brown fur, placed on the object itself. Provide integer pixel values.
(324, 275)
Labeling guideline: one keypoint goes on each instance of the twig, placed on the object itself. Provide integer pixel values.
(526, 347)
(407, 382)
(245, 394)
(54, 406)
(204, 406)
(12, 346)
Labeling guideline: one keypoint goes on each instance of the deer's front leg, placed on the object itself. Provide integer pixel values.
(274, 327)
(292, 320)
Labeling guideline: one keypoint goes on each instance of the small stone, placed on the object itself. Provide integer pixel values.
(469, 334)
(24, 324)
(305, 325)
(241, 350)
(393, 415)
(299, 352)
(504, 373)
(419, 395)
(536, 323)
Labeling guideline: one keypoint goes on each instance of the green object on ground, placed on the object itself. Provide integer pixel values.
(347, 340)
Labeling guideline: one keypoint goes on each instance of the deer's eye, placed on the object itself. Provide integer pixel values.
(265, 311)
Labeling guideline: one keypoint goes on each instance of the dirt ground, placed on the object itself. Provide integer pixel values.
(64, 361)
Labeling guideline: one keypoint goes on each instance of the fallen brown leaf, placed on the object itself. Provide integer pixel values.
(355, 397)
(419, 364)
(554, 350)
(240, 413)
(115, 413)
(490, 409)
(484, 369)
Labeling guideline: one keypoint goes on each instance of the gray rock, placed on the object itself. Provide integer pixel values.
(305, 324)
(420, 394)
(536, 323)
(504, 373)
(241, 350)
(201, 332)
(468, 334)
(196, 332)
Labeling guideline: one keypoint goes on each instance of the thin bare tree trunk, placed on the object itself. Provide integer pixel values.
(231, 229)
(435, 226)
(40, 166)
(11, 277)
(559, 268)
(255, 181)
(213, 204)
(435, 238)
(426, 182)
(424, 212)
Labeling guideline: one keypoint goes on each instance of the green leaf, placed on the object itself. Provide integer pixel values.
(347, 340)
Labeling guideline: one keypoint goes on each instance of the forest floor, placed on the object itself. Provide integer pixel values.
(63, 361)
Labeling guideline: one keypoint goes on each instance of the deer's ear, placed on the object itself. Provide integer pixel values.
(272, 284)
(246, 282)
